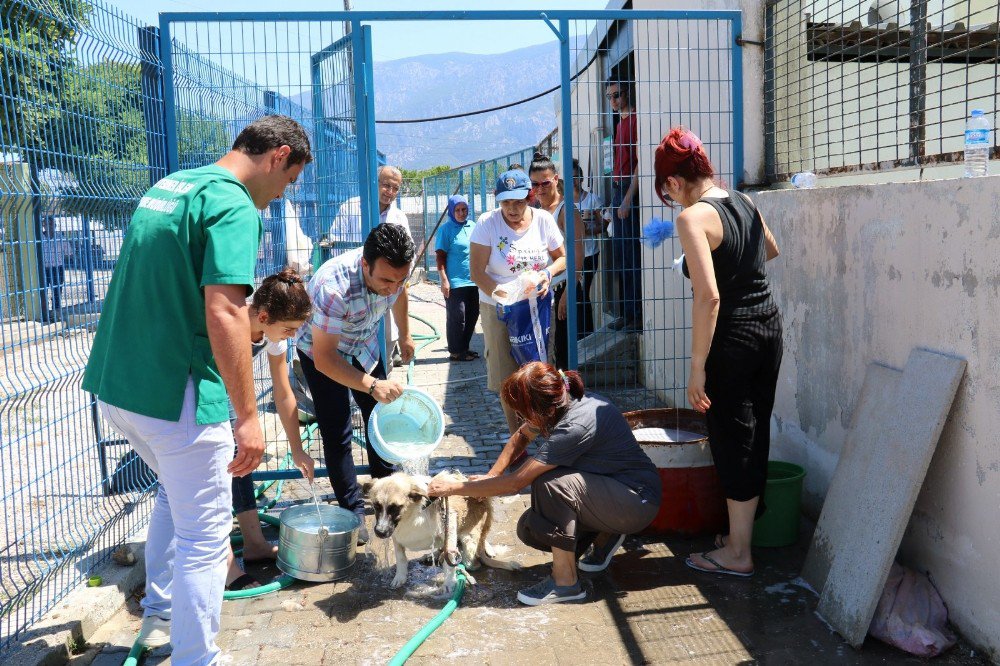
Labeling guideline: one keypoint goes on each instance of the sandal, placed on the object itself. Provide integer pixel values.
(244, 582)
(719, 569)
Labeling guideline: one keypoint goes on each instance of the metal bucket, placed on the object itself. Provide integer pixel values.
(308, 552)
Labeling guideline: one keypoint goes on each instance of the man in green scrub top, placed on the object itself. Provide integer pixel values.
(172, 341)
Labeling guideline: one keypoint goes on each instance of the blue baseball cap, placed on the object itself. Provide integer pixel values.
(513, 184)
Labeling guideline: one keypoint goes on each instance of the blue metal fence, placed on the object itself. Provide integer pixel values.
(75, 156)
(476, 181)
(96, 106)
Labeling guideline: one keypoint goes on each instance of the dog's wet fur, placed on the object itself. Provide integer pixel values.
(415, 521)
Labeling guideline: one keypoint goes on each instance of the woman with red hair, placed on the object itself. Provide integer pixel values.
(735, 334)
(591, 483)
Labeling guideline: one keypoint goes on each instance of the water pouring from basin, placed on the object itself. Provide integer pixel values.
(406, 429)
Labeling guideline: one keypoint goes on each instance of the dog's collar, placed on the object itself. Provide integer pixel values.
(427, 502)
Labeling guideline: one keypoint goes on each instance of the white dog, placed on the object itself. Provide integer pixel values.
(415, 521)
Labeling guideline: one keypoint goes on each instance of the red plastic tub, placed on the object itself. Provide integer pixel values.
(693, 502)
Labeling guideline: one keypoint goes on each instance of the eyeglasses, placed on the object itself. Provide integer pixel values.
(614, 95)
(543, 183)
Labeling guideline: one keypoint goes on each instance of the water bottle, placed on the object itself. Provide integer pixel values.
(977, 145)
(806, 180)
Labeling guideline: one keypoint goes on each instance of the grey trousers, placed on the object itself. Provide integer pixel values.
(569, 508)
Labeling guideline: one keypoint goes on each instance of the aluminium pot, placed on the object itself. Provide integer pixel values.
(319, 553)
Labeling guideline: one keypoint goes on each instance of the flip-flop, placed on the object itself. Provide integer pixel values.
(244, 582)
(719, 569)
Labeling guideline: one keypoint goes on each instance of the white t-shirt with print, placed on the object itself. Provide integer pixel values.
(512, 253)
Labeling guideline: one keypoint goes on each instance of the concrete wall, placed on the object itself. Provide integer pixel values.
(866, 274)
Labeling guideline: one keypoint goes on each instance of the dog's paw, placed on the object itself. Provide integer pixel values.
(469, 578)
(397, 582)
(515, 566)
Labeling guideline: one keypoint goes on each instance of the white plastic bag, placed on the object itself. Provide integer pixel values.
(911, 615)
(518, 289)
(298, 246)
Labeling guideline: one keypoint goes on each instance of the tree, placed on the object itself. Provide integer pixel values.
(413, 179)
(101, 138)
(36, 40)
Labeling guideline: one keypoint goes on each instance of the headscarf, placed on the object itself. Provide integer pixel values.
(453, 201)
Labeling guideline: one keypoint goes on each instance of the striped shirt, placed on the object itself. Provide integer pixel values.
(344, 306)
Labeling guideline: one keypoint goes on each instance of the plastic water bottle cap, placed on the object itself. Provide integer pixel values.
(976, 113)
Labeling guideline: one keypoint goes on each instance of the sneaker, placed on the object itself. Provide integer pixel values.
(547, 592)
(599, 557)
(155, 631)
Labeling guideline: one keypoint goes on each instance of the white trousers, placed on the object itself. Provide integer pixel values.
(188, 533)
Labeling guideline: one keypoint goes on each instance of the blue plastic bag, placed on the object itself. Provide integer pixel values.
(528, 323)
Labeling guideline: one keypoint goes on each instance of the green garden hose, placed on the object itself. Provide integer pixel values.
(418, 639)
(136, 654)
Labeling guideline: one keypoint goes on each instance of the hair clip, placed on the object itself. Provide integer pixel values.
(565, 379)
(690, 141)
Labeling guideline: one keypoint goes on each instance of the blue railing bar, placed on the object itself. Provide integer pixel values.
(737, 83)
(561, 36)
(294, 473)
(566, 139)
(169, 109)
(455, 15)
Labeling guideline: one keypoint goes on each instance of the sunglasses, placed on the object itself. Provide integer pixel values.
(614, 95)
(542, 183)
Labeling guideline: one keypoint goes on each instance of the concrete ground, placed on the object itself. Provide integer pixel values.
(647, 608)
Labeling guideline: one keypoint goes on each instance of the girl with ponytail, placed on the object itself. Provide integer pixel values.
(735, 334)
(591, 483)
(278, 308)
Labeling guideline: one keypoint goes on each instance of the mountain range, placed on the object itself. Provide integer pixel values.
(449, 83)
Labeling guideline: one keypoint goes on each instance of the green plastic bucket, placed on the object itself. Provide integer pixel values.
(779, 525)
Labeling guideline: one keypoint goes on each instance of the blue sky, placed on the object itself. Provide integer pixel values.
(391, 41)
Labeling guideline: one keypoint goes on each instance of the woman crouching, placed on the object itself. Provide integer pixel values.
(591, 483)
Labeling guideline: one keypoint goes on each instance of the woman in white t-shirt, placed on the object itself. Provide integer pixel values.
(508, 241)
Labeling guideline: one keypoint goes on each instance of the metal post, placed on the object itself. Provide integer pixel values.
(770, 120)
(566, 129)
(88, 257)
(918, 76)
(736, 26)
(153, 111)
(169, 110)
(482, 189)
(319, 139)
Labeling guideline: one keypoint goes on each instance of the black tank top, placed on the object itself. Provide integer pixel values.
(739, 259)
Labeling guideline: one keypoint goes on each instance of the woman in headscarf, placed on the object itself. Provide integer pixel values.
(461, 296)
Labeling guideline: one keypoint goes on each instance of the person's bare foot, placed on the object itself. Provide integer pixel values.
(253, 552)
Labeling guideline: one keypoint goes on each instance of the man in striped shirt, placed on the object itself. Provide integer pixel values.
(339, 348)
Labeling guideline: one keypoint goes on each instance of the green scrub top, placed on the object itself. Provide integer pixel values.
(193, 228)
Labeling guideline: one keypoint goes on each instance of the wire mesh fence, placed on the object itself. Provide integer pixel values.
(95, 110)
(860, 86)
(635, 79)
(74, 160)
(83, 134)
(632, 81)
